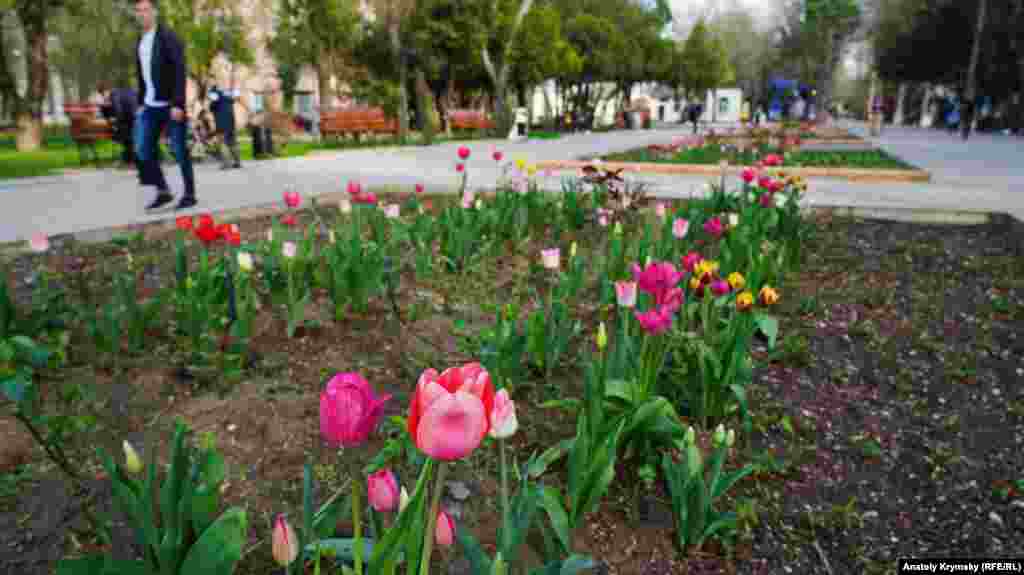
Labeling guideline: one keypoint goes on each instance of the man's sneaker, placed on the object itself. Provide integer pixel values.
(162, 199)
(186, 203)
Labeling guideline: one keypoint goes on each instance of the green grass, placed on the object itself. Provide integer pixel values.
(544, 135)
(867, 159)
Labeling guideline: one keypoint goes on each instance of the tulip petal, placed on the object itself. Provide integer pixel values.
(452, 426)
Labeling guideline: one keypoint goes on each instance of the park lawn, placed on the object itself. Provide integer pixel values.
(711, 155)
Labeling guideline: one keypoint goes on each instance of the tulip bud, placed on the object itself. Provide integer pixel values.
(602, 337)
(132, 463)
(719, 437)
(382, 491)
(444, 532)
(730, 438)
(403, 500)
(617, 230)
(284, 545)
(499, 567)
(244, 262)
(330, 236)
(691, 435)
(572, 250)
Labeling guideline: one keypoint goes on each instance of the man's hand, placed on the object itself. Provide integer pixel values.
(177, 114)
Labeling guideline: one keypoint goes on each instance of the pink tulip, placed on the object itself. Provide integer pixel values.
(602, 220)
(368, 198)
(382, 491)
(497, 156)
(419, 188)
(657, 278)
(349, 410)
(764, 181)
(660, 210)
(671, 300)
(766, 200)
(749, 174)
(444, 531)
(463, 152)
(354, 189)
(460, 168)
(720, 287)
(284, 544)
(691, 260)
(503, 419)
(39, 242)
(655, 321)
(550, 259)
(450, 413)
(292, 199)
(714, 227)
(776, 185)
(680, 227)
(773, 160)
(625, 293)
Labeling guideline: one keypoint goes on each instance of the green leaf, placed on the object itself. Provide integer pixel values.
(478, 560)
(570, 404)
(344, 549)
(538, 466)
(102, 565)
(769, 326)
(576, 563)
(16, 388)
(551, 499)
(219, 548)
(723, 485)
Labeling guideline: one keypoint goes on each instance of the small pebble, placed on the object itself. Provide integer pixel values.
(232, 427)
(870, 515)
(995, 518)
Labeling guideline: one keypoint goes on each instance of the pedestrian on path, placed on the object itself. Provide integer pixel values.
(161, 75)
(119, 107)
(222, 104)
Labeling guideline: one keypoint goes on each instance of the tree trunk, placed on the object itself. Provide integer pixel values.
(403, 80)
(968, 105)
(926, 108)
(30, 116)
(901, 96)
(425, 108)
(30, 133)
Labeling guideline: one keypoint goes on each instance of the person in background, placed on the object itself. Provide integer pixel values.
(119, 107)
(222, 104)
(161, 75)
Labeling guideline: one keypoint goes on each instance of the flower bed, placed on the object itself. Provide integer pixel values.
(824, 349)
(713, 155)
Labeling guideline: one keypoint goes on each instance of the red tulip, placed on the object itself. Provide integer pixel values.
(720, 287)
(368, 198)
(288, 220)
(766, 200)
(776, 185)
(349, 410)
(184, 223)
(235, 239)
(284, 544)
(714, 227)
(382, 491)
(497, 156)
(749, 174)
(463, 152)
(419, 188)
(206, 221)
(691, 260)
(459, 168)
(207, 234)
(655, 321)
(354, 189)
(657, 279)
(773, 160)
(292, 199)
(764, 181)
(444, 531)
(450, 413)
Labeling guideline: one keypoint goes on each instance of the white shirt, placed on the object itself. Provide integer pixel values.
(146, 58)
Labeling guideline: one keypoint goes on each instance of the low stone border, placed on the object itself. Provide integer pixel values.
(851, 174)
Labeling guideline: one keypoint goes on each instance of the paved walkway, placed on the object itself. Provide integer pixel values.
(984, 174)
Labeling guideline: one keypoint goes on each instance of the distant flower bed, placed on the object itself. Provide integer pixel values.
(714, 154)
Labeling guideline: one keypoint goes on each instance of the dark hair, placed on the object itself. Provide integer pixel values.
(102, 87)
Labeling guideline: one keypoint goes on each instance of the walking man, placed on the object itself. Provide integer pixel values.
(160, 71)
(119, 107)
(222, 104)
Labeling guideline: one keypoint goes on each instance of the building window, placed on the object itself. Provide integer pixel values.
(256, 102)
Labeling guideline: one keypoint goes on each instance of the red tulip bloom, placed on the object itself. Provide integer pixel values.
(289, 220)
(773, 160)
(207, 234)
(691, 260)
(497, 156)
(714, 227)
(655, 321)
(450, 413)
(368, 198)
(235, 239)
(354, 189)
(657, 279)
(463, 152)
(184, 223)
(349, 410)
(206, 221)
(766, 200)
(419, 188)
(765, 182)
(749, 174)
(292, 199)
(776, 186)
(459, 168)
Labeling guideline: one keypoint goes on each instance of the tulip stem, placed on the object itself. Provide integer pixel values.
(357, 524)
(428, 534)
(505, 509)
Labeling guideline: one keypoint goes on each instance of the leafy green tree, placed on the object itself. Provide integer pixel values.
(540, 51)
(705, 62)
(95, 42)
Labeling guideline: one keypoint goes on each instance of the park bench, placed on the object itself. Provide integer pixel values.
(469, 120)
(86, 129)
(356, 121)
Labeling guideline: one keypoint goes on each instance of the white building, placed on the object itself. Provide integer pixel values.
(665, 108)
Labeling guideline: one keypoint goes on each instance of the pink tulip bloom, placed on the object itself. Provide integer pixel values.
(714, 227)
(691, 260)
(766, 200)
(550, 259)
(463, 152)
(503, 419)
(720, 287)
(749, 174)
(391, 211)
(776, 185)
(680, 227)
(354, 189)
(671, 300)
(450, 413)
(460, 168)
(284, 544)
(292, 199)
(625, 293)
(602, 221)
(497, 156)
(368, 198)
(382, 491)
(773, 160)
(660, 210)
(764, 181)
(657, 278)
(419, 188)
(655, 321)
(349, 410)
(444, 531)
(39, 242)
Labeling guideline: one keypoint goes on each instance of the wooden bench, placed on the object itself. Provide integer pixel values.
(87, 129)
(469, 120)
(356, 121)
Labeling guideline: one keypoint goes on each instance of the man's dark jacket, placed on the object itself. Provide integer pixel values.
(168, 72)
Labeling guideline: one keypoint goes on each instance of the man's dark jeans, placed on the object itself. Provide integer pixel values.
(149, 125)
